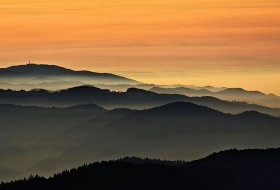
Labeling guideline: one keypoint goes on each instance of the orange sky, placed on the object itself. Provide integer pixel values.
(200, 42)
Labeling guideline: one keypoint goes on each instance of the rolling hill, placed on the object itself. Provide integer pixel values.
(39, 73)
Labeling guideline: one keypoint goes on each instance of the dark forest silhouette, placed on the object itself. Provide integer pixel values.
(227, 170)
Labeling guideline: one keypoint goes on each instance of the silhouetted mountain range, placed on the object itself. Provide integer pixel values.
(52, 77)
(37, 73)
(47, 140)
(175, 131)
(46, 131)
(133, 98)
(230, 94)
(230, 170)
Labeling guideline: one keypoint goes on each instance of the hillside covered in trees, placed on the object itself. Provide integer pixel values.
(227, 170)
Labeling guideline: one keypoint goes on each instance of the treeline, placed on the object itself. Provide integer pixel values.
(227, 170)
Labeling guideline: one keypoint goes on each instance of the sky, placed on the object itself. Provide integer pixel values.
(194, 42)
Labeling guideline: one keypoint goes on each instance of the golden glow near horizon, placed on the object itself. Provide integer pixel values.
(199, 42)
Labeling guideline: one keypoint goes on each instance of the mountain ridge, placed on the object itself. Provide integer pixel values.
(78, 134)
(250, 169)
(133, 98)
(229, 94)
(45, 70)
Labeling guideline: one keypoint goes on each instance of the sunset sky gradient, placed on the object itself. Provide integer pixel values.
(198, 42)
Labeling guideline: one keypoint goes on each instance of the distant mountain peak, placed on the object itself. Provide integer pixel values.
(84, 88)
(254, 114)
(54, 71)
(239, 90)
(183, 108)
(36, 67)
(137, 90)
(182, 105)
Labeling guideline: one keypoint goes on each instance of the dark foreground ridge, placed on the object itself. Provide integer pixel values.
(227, 170)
